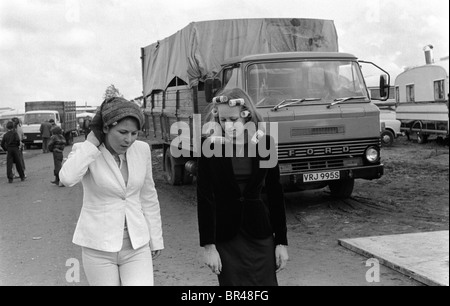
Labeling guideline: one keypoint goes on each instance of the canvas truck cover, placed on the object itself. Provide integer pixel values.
(197, 51)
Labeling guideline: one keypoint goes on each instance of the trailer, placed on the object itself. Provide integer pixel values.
(422, 101)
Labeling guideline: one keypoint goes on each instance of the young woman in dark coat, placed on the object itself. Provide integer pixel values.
(244, 237)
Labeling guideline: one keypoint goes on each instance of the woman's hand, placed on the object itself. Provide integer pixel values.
(281, 256)
(212, 259)
(156, 254)
(93, 139)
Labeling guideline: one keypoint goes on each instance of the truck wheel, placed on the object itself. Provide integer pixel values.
(187, 178)
(422, 138)
(407, 135)
(173, 173)
(387, 138)
(342, 189)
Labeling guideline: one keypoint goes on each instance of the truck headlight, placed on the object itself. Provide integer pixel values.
(372, 154)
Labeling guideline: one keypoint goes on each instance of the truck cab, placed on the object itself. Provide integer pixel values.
(328, 127)
(32, 123)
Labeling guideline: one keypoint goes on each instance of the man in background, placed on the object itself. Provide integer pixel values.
(19, 130)
(11, 144)
(45, 129)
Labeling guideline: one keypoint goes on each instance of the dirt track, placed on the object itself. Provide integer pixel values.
(37, 221)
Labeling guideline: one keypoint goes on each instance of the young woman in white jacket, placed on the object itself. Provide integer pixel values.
(119, 228)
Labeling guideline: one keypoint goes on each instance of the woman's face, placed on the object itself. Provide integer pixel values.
(228, 118)
(120, 137)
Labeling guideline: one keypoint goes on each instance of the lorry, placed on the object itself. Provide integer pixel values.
(37, 112)
(421, 95)
(328, 127)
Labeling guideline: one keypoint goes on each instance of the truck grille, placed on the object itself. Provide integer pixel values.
(324, 155)
(298, 132)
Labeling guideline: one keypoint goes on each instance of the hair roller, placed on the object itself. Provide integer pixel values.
(245, 114)
(220, 99)
(236, 102)
(215, 112)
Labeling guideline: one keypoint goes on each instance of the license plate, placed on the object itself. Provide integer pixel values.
(321, 176)
(37, 141)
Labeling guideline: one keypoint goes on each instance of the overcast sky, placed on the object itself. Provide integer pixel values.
(73, 49)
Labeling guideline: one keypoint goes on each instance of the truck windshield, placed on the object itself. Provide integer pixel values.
(37, 118)
(315, 81)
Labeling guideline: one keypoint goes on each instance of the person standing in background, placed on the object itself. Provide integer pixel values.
(86, 126)
(19, 130)
(10, 143)
(56, 146)
(45, 129)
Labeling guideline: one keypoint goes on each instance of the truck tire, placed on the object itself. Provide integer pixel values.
(408, 137)
(173, 173)
(422, 138)
(342, 189)
(187, 177)
(387, 138)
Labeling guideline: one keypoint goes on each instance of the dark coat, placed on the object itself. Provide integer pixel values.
(45, 129)
(10, 140)
(57, 143)
(223, 210)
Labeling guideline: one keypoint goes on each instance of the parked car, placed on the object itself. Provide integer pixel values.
(390, 127)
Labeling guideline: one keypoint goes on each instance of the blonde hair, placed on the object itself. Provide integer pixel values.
(235, 93)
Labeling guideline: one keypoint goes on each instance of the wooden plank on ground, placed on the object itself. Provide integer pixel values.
(422, 256)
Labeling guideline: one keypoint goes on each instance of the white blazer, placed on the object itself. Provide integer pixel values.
(107, 201)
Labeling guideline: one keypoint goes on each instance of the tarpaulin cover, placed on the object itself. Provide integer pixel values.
(197, 51)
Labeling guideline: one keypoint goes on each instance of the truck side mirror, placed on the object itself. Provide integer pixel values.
(384, 88)
(211, 87)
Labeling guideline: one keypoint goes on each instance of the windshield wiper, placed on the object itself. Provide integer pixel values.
(340, 100)
(293, 101)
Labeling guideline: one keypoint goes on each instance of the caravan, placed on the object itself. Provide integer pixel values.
(422, 100)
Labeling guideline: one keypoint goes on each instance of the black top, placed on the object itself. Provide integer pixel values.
(10, 140)
(242, 169)
(57, 142)
(224, 209)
